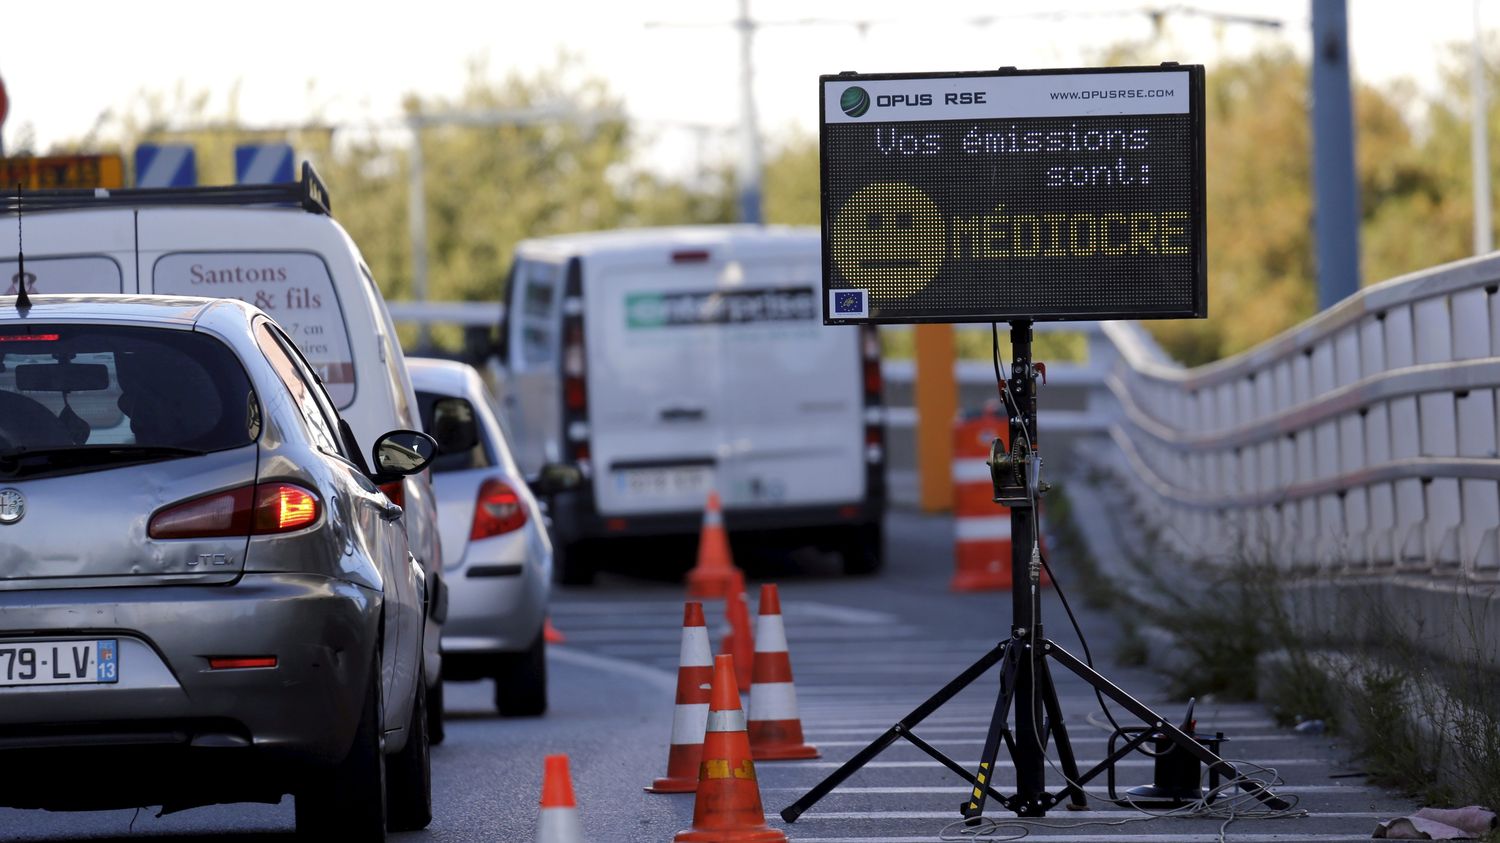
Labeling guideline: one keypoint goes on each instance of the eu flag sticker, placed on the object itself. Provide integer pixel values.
(849, 304)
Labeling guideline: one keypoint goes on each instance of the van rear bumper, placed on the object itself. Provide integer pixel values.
(576, 519)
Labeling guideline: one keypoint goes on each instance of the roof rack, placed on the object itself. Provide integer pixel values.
(309, 193)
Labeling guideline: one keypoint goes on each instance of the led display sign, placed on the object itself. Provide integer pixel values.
(1009, 195)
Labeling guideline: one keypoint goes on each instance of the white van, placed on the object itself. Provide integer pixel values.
(669, 362)
(274, 246)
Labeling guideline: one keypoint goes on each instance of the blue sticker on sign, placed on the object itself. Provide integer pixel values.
(848, 304)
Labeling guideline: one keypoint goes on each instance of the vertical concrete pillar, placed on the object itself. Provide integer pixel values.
(935, 393)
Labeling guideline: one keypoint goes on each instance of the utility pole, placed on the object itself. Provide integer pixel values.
(750, 156)
(1480, 141)
(1335, 191)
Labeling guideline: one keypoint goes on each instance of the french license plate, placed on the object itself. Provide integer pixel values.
(664, 482)
(58, 662)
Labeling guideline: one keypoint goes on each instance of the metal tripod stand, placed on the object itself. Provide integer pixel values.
(1025, 677)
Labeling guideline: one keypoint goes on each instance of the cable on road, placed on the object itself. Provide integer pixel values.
(1227, 802)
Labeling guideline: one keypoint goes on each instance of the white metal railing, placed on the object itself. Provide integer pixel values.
(1362, 440)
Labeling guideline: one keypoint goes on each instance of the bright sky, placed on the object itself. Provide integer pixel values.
(65, 65)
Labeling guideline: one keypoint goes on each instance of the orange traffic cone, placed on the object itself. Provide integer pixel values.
(552, 634)
(715, 574)
(775, 727)
(558, 821)
(739, 641)
(728, 808)
(695, 673)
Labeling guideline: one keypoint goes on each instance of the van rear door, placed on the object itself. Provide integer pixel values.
(656, 408)
(716, 371)
(792, 392)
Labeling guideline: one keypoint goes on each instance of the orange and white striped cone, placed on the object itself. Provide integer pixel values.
(728, 808)
(739, 641)
(714, 575)
(695, 673)
(775, 726)
(558, 821)
(552, 634)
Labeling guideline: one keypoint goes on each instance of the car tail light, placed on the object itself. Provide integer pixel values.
(283, 507)
(396, 491)
(220, 514)
(874, 396)
(498, 510)
(262, 509)
(575, 384)
(690, 256)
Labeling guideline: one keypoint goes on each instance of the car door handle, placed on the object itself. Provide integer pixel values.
(676, 414)
(390, 511)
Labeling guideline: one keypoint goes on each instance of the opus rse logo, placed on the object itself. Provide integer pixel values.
(855, 101)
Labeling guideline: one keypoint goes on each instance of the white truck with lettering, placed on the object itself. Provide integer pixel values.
(670, 362)
(294, 262)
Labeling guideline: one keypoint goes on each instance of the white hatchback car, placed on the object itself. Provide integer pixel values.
(496, 551)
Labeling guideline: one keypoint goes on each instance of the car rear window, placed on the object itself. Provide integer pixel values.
(71, 385)
(295, 288)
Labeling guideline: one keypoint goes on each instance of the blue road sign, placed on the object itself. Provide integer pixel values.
(263, 163)
(165, 165)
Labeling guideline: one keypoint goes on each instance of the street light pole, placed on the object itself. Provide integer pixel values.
(1336, 192)
(750, 158)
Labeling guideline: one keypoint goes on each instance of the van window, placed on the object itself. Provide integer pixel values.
(294, 288)
(538, 311)
(390, 353)
(79, 274)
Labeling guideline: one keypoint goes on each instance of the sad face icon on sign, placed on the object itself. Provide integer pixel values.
(888, 237)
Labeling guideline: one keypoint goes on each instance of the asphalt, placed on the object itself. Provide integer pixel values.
(864, 652)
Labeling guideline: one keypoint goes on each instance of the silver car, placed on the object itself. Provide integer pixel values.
(204, 596)
(497, 556)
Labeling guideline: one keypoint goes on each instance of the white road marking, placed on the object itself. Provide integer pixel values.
(635, 670)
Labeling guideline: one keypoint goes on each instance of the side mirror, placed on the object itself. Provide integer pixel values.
(454, 426)
(403, 452)
(556, 477)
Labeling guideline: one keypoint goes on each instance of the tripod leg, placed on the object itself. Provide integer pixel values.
(998, 731)
(1059, 732)
(917, 715)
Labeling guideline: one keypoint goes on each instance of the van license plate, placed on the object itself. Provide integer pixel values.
(58, 662)
(664, 482)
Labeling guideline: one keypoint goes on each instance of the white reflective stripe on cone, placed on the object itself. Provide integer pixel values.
(559, 825)
(773, 701)
(976, 470)
(978, 529)
(725, 721)
(712, 518)
(689, 722)
(770, 634)
(696, 651)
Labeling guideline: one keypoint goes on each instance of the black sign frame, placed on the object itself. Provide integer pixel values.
(1192, 305)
